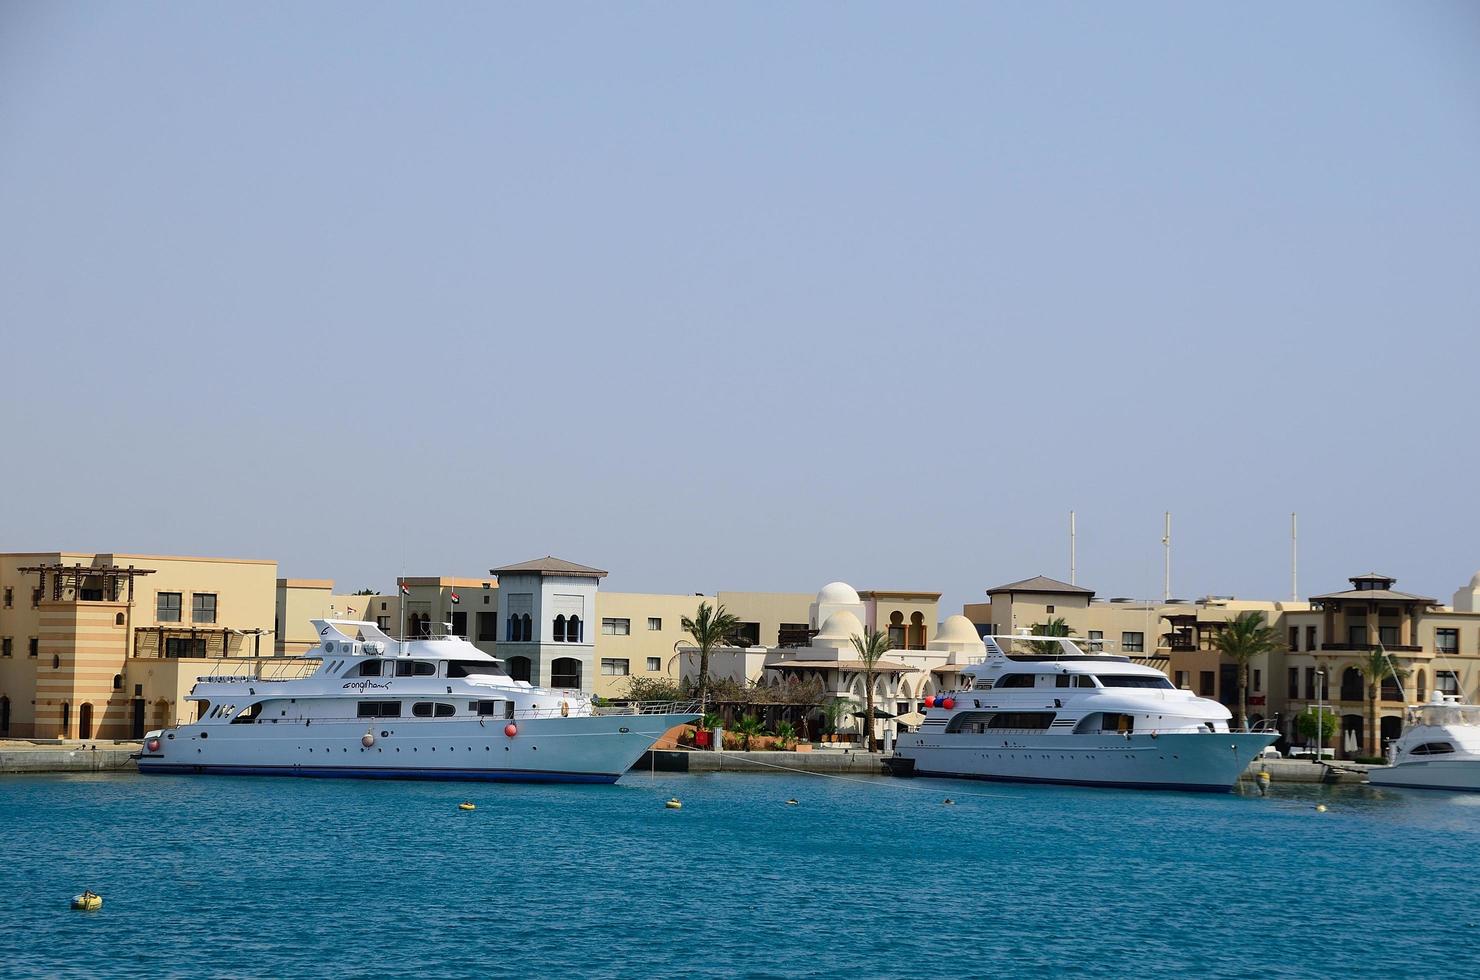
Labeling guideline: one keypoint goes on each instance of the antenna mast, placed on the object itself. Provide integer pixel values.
(1294, 560)
(1073, 569)
(1166, 543)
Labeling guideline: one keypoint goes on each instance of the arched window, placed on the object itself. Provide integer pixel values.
(56, 661)
(66, 719)
(1352, 688)
(4, 716)
(573, 630)
(84, 720)
(117, 682)
(917, 631)
(118, 619)
(1422, 694)
(518, 668)
(526, 630)
(511, 628)
(896, 630)
(559, 629)
(565, 672)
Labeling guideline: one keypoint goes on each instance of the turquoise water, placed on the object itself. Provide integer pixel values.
(222, 876)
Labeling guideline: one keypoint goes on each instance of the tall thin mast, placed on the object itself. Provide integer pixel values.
(1166, 544)
(1294, 561)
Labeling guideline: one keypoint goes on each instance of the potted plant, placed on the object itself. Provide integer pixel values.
(786, 735)
(748, 727)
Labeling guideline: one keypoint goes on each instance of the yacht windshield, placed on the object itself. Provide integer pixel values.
(467, 668)
(1134, 680)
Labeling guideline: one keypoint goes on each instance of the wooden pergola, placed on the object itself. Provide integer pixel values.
(72, 576)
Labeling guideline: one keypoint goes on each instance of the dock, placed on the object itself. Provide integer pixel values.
(55, 755)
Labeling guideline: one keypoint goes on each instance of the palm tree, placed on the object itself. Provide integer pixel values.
(1377, 668)
(871, 648)
(1054, 627)
(1241, 640)
(710, 627)
(748, 727)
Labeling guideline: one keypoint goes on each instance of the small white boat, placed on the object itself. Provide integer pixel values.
(1439, 748)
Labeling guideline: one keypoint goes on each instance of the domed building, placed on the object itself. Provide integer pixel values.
(1467, 599)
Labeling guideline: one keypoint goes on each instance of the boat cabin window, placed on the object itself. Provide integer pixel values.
(432, 709)
(1432, 748)
(415, 668)
(466, 668)
(1105, 721)
(370, 668)
(1135, 680)
(380, 709)
(486, 707)
(1073, 680)
(1014, 680)
(982, 722)
(248, 716)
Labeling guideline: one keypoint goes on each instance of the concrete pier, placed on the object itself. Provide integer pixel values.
(836, 762)
(53, 755)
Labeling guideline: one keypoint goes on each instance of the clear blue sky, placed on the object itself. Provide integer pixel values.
(751, 296)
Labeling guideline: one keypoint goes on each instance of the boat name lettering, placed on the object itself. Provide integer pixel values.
(365, 685)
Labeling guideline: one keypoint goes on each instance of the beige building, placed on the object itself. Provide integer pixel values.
(97, 645)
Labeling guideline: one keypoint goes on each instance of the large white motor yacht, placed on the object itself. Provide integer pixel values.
(425, 708)
(1061, 715)
(1439, 747)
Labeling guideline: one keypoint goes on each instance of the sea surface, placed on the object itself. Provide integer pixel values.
(863, 877)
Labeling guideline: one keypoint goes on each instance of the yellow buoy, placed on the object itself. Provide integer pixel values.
(673, 804)
(466, 806)
(1264, 776)
(87, 902)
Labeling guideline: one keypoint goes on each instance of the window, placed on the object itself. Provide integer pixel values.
(519, 668)
(560, 629)
(432, 709)
(1293, 690)
(1294, 639)
(379, 709)
(979, 722)
(5, 647)
(383, 623)
(573, 630)
(1050, 610)
(90, 595)
(612, 667)
(565, 672)
(1387, 635)
(1206, 683)
(487, 624)
(654, 663)
(1446, 640)
(1132, 642)
(473, 668)
(746, 635)
(56, 662)
(31, 647)
(1433, 748)
(415, 668)
(460, 624)
(9, 596)
(370, 668)
(1096, 640)
(184, 646)
(486, 707)
(1310, 638)
(1181, 680)
(1015, 680)
(654, 623)
(36, 597)
(117, 682)
(1258, 681)
(167, 607)
(1446, 682)
(1133, 680)
(616, 627)
(203, 607)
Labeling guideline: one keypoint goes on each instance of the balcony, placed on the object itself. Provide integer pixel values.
(1365, 647)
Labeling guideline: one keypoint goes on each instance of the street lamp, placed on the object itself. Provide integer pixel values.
(1320, 714)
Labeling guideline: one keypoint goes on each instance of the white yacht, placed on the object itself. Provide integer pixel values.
(1053, 713)
(424, 708)
(1439, 747)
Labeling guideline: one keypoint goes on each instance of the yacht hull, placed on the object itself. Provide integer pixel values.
(1203, 762)
(594, 749)
(1462, 775)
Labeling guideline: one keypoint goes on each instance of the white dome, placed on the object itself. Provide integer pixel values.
(841, 625)
(957, 629)
(1475, 581)
(837, 593)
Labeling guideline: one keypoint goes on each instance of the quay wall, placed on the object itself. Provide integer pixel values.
(852, 763)
(22, 757)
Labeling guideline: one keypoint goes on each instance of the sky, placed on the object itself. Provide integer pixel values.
(747, 296)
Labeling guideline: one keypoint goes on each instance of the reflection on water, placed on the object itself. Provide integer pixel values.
(862, 877)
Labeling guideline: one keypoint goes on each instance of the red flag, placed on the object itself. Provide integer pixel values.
(456, 598)
(405, 589)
